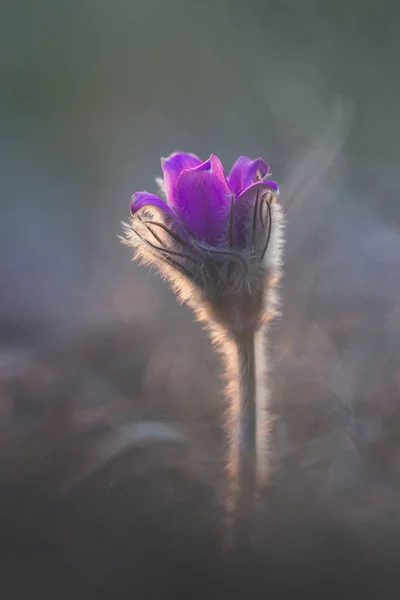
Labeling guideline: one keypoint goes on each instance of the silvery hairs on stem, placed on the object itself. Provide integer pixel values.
(218, 241)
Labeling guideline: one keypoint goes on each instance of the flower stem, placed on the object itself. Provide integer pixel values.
(248, 456)
(246, 427)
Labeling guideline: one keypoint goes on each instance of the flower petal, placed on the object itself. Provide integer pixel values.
(141, 199)
(203, 200)
(246, 171)
(172, 168)
(244, 208)
(236, 175)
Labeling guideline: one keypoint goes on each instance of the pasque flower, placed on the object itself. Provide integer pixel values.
(208, 203)
(218, 240)
(220, 233)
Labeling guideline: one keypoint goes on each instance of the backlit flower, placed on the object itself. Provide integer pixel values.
(220, 233)
(218, 241)
(206, 201)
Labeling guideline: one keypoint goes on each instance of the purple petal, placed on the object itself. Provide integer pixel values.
(244, 209)
(203, 200)
(236, 175)
(245, 172)
(141, 199)
(173, 166)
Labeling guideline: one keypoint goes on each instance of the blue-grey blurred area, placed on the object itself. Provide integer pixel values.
(111, 411)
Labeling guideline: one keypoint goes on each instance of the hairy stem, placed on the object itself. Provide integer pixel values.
(246, 426)
(248, 433)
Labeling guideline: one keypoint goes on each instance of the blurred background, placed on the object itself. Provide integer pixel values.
(111, 444)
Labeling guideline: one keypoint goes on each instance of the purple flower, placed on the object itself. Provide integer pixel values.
(213, 209)
(217, 239)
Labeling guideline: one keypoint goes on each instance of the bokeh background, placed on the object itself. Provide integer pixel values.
(111, 440)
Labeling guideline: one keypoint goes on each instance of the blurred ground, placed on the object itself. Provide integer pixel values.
(111, 445)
